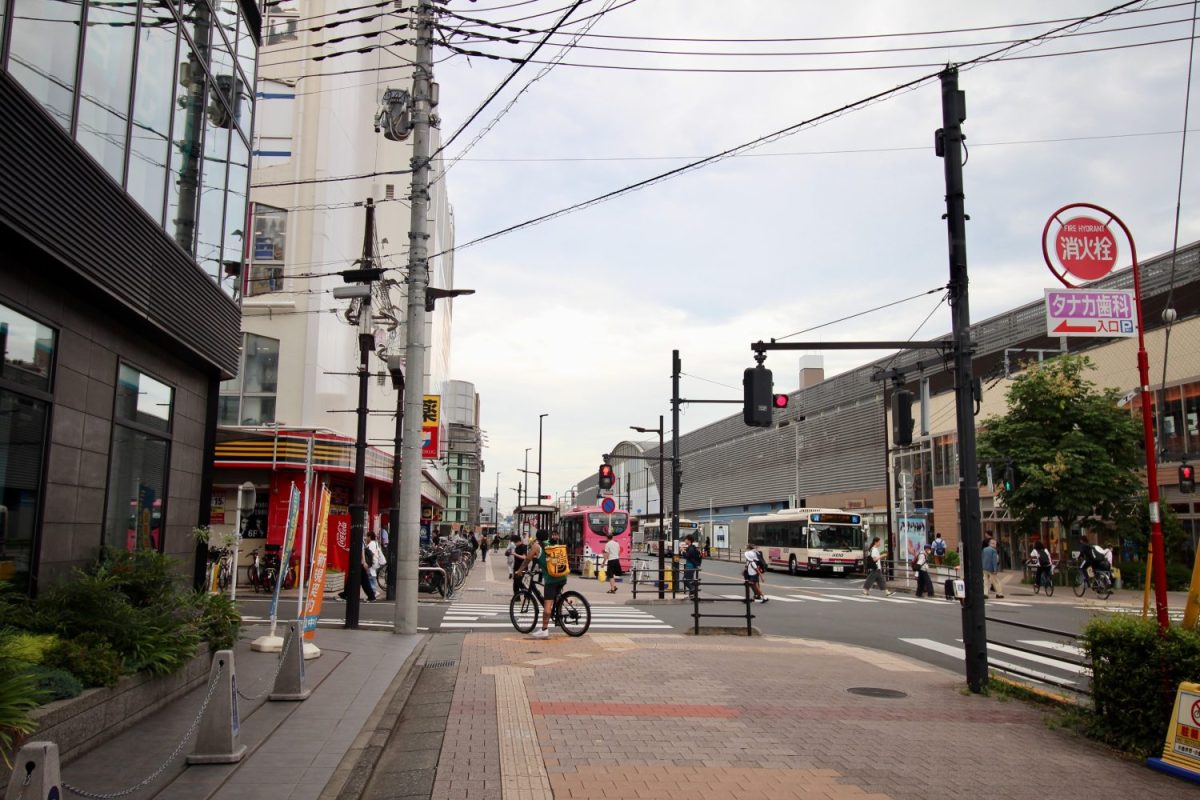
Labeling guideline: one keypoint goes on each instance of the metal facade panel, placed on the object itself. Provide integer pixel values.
(66, 205)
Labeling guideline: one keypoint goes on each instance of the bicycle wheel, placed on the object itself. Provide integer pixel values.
(1104, 588)
(289, 578)
(524, 611)
(1049, 586)
(252, 577)
(1080, 586)
(223, 577)
(573, 614)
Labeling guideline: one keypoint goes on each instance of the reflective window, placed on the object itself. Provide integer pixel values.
(22, 446)
(235, 204)
(3, 19)
(270, 247)
(209, 231)
(104, 92)
(150, 142)
(281, 23)
(247, 53)
(139, 462)
(249, 399)
(187, 129)
(28, 348)
(42, 56)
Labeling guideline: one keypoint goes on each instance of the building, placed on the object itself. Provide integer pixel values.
(124, 145)
(464, 456)
(831, 447)
(321, 151)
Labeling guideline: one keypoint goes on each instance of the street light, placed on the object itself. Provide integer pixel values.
(525, 499)
(661, 560)
(540, 418)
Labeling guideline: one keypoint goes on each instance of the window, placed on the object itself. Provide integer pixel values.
(105, 81)
(25, 375)
(249, 399)
(281, 23)
(139, 462)
(149, 145)
(945, 461)
(270, 245)
(43, 51)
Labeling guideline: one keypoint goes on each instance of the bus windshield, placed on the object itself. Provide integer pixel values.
(835, 537)
(599, 523)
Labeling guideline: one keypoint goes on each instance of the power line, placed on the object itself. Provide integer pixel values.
(860, 314)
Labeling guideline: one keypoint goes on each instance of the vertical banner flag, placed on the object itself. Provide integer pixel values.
(289, 539)
(316, 581)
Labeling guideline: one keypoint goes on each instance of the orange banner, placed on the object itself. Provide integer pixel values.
(316, 583)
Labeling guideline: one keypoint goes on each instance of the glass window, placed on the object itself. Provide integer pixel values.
(137, 483)
(22, 446)
(281, 23)
(107, 72)
(3, 22)
(28, 348)
(209, 232)
(143, 400)
(152, 104)
(270, 246)
(247, 56)
(249, 399)
(599, 523)
(235, 205)
(42, 57)
(1191, 416)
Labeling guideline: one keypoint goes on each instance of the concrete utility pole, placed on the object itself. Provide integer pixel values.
(676, 469)
(414, 351)
(949, 141)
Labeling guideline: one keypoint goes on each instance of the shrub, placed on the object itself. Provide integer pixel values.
(146, 577)
(19, 695)
(1133, 575)
(90, 658)
(56, 684)
(27, 647)
(1179, 577)
(1135, 673)
(952, 559)
(219, 621)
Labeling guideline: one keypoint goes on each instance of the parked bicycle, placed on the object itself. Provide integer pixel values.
(1100, 581)
(221, 560)
(571, 611)
(252, 572)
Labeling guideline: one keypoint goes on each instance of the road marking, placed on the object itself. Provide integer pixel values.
(894, 600)
(957, 652)
(783, 599)
(863, 599)
(495, 615)
(1009, 603)
(1060, 646)
(1056, 663)
(818, 599)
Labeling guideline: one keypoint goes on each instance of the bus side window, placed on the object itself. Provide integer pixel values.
(797, 534)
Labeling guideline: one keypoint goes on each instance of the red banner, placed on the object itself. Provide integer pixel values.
(339, 542)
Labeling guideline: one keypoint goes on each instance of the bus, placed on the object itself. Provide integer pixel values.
(810, 540)
(651, 538)
(584, 530)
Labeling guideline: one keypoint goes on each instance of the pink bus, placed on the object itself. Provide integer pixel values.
(584, 530)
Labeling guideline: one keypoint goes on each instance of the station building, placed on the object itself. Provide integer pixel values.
(831, 447)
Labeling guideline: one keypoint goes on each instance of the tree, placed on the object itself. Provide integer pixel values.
(1074, 451)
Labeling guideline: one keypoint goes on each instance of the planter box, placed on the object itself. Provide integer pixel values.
(83, 723)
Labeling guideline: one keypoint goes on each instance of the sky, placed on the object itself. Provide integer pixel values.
(576, 317)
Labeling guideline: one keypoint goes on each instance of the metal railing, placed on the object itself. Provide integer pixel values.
(1000, 665)
(698, 599)
(672, 582)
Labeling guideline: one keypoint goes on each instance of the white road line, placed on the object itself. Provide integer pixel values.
(957, 652)
(818, 598)
(1049, 662)
(1009, 603)
(1062, 647)
(648, 625)
(783, 599)
(860, 599)
(895, 600)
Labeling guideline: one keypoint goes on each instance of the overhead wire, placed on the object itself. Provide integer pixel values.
(861, 313)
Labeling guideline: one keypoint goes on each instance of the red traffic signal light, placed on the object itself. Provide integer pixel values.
(779, 400)
(1187, 479)
(606, 477)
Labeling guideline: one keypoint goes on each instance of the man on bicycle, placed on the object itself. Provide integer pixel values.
(1092, 561)
(551, 586)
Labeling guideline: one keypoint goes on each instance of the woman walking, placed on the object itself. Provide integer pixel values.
(875, 569)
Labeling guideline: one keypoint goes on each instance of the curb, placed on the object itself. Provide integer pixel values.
(353, 773)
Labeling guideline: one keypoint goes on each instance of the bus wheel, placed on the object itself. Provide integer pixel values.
(792, 565)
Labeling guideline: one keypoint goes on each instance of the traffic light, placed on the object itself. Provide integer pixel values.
(1187, 479)
(902, 418)
(757, 400)
(1010, 479)
(606, 477)
(779, 400)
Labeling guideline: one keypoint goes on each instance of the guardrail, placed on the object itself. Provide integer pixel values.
(999, 665)
(673, 581)
(698, 598)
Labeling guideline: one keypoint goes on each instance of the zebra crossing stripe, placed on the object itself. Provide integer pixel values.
(1061, 647)
(957, 652)
(818, 599)
(1078, 669)
(783, 599)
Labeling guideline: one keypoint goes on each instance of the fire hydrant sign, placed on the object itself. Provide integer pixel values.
(1086, 248)
(1090, 312)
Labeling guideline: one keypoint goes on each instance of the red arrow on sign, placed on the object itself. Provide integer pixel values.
(1065, 327)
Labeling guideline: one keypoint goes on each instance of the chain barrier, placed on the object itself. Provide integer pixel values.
(178, 749)
(278, 668)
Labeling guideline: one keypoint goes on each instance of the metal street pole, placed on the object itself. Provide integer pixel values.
(949, 146)
(540, 418)
(662, 569)
(396, 368)
(418, 278)
(676, 469)
(525, 498)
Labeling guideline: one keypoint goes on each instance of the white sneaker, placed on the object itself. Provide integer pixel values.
(540, 633)
(889, 594)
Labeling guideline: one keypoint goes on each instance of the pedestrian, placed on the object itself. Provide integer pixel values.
(992, 576)
(939, 549)
(520, 554)
(483, 546)
(691, 563)
(754, 571)
(924, 581)
(373, 561)
(875, 569)
(612, 556)
(1039, 557)
(508, 553)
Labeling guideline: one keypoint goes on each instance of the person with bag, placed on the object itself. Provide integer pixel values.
(373, 561)
(874, 565)
(939, 549)
(1039, 558)
(921, 566)
(554, 577)
(612, 557)
(753, 572)
(691, 563)
(993, 580)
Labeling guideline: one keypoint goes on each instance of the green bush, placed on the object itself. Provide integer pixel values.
(19, 695)
(56, 684)
(952, 559)
(1135, 673)
(1179, 577)
(1133, 575)
(219, 621)
(146, 577)
(90, 658)
(27, 647)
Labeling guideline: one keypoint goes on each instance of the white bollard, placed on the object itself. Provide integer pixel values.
(35, 772)
(217, 741)
(289, 681)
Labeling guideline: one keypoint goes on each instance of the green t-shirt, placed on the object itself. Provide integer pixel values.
(547, 578)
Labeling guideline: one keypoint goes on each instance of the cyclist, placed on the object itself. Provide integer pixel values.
(1039, 557)
(1091, 561)
(551, 586)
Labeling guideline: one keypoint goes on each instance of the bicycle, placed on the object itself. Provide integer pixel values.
(223, 564)
(252, 571)
(1043, 581)
(1100, 582)
(571, 611)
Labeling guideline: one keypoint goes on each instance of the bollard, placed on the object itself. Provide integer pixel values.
(217, 741)
(289, 681)
(35, 772)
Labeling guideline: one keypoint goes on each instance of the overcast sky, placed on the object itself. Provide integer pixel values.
(577, 317)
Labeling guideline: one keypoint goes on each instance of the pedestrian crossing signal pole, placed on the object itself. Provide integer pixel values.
(949, 146)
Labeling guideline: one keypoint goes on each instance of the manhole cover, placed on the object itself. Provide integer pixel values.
(440, 664)
(874, 691)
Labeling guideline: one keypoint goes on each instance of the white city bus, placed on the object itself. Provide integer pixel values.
(810, 540)
(649, 536)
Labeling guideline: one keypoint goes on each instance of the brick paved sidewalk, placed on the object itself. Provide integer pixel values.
(658, 716)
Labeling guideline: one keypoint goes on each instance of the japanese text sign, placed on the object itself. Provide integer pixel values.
(431, 409)
(1090, 312)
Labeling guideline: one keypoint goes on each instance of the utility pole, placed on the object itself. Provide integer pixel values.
(676, 469)
(496, 512)
(540, 418)
(949, 145)
(405, 621)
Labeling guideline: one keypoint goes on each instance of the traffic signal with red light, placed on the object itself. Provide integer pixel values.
(606, 478)
(779, 400)
(1187, 479)
(757, 397)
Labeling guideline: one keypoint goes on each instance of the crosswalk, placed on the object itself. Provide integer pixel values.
(495, 615)
(1039, 659)
(814, 597)
(1176, 614)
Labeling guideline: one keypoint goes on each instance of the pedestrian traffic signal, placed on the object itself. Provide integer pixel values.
(779, 400)
(606, 477)
(757, 397)
(902, 418)
(1010, 479)
(1187, 479)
